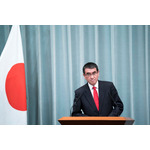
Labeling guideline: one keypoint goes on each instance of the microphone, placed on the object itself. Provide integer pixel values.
(77, 99)
(75, 103)
(112, 98)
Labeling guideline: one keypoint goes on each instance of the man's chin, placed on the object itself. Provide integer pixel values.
(92, 83)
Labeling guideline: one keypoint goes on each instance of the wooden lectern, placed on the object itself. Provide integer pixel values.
(96, 121)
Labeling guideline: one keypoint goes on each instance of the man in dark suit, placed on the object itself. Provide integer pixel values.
(96, 98)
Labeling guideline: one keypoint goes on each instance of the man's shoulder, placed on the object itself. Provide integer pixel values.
(81, 89)
(105, 83)
(85, 86)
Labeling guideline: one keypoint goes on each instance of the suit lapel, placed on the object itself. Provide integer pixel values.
(89, 97)
(101, 96)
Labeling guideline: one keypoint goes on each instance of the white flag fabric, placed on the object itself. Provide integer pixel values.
(13, 108)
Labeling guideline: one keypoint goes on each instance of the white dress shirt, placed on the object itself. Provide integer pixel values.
(91, 88)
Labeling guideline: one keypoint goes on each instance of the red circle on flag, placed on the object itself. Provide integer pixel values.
(15, 87)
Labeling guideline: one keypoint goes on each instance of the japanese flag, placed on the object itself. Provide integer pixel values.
(13, 108)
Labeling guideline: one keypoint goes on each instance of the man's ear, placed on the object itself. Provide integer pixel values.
(84, 75)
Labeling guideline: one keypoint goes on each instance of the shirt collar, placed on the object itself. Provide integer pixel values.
(91, 86)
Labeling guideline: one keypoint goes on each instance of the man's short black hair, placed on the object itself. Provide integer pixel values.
(90, 65)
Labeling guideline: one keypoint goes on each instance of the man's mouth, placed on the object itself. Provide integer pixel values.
(92, 80)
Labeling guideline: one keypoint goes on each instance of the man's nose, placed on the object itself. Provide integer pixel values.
(92, 75)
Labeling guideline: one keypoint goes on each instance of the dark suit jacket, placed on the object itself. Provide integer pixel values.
(109, 102)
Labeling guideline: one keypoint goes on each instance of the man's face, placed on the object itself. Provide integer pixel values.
(91, 75)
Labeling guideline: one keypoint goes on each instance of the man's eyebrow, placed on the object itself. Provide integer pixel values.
(90, 72)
